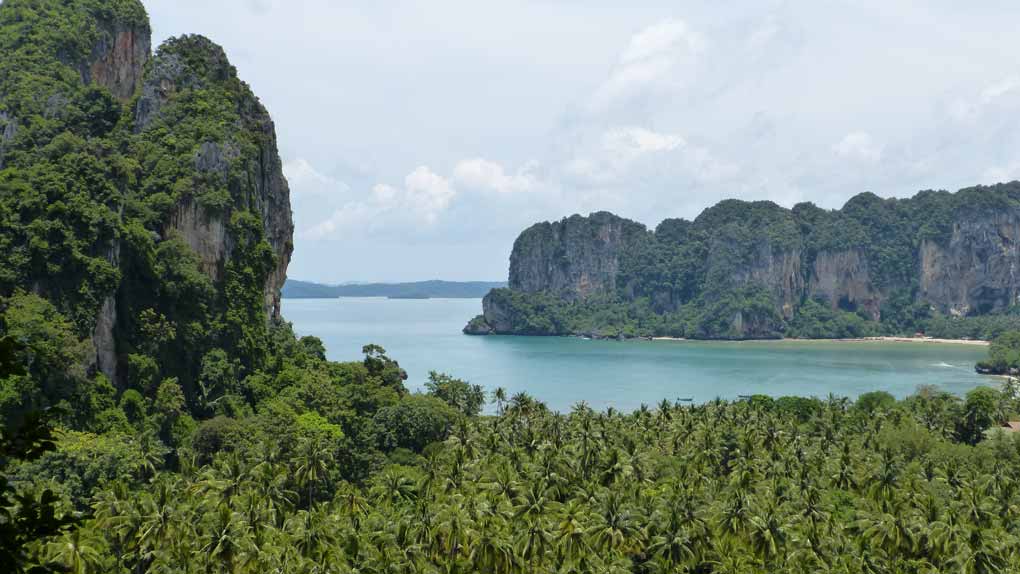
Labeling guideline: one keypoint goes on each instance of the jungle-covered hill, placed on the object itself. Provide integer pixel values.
(938, 262)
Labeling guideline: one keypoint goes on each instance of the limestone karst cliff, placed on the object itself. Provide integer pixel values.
(146, 191)
(577, 257)
(745, 270)
(243, 159)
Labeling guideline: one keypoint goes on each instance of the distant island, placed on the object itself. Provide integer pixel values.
(938, 264)
(294, 289)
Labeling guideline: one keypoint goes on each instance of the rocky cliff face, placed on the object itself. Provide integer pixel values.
(747, 268)
(978, 269)
(778, 269)
(497, 317)
(841, 279)
(577, 257)
(270, 198)
(245, 160)
(8, 128)
(118, 57)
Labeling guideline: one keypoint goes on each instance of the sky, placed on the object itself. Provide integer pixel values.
(420, 138)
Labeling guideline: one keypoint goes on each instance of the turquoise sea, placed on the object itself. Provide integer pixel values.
(425, 335)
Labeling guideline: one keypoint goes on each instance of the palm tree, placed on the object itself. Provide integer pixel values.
(79, 555)
(223, 540)
(311, 465)
(499, 396)
(768, 535)
(673, 546)
(393, 488)
(617, 528)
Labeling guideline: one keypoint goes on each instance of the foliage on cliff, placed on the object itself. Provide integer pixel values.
(754, 270)
(1003, 355)
(90, 185)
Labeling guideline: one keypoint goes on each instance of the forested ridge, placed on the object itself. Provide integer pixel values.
(937, 263)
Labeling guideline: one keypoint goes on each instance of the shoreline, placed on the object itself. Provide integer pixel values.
(973, 342)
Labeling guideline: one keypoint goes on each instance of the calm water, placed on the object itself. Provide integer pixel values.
(425, 335)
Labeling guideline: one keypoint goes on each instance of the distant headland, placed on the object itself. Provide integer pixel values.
(434, 289)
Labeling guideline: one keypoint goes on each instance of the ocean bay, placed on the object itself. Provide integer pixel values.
(425, 335)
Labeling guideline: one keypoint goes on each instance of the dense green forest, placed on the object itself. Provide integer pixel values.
(935, 263)
(601, 317)
(335, 467)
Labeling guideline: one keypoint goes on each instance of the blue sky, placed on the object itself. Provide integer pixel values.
(420, 138)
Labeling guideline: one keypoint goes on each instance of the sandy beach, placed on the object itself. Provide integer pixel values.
(857, 340)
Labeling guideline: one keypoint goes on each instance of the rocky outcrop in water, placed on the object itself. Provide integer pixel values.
(743, 270)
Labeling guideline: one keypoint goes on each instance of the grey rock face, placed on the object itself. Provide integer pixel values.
(8, 128)
(779, 270)
(272, 200)
(164, 76)
(55, 105)
(205, 232)
(978, 270)
(842, 279)
(496, 317)
(577, 257)
(103, 339)
(215, 158)
(782, 272)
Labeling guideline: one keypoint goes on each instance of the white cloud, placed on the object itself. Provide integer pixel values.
(259, 6)
(419, 203)
(427, 193)
(631, 142)
(660, 39)
(763, 35)
(858, 146)
(482, 174)
(971, 109)
(305, 179)
(652, 55)
(1000, 88)
(630, 155)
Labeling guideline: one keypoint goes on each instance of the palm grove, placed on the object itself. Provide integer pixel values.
(188, 433)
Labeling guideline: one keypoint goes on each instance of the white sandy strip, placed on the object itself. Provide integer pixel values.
(859, 340)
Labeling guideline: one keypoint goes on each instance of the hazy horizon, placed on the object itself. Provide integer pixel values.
(420, 139)
(384, 281)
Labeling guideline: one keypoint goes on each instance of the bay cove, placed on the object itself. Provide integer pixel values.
(425, 335)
